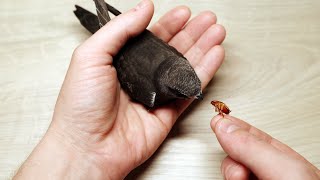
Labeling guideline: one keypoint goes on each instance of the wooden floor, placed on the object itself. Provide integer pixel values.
(270, 78)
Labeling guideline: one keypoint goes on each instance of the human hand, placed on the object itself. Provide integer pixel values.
(252, 151)
(97, 132)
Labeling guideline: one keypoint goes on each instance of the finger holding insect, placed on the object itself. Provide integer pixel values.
(261, 135)
(251, 129)
(244, 125)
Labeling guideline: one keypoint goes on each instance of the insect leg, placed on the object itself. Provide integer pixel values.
(221, 113)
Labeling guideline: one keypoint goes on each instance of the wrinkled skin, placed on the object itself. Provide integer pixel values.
(254, 154)
(98, 133)
(96, 128)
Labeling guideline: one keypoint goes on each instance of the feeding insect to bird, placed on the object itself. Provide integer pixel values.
(149, 70)
(221, 107)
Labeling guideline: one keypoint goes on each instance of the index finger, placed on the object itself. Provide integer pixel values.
(263, 136)
(171, 23)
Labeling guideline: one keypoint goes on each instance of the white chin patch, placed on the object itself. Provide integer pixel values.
(153, 97)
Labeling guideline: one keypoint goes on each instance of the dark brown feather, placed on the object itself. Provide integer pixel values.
(149, 70)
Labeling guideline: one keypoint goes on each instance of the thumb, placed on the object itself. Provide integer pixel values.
(90, 74)
(264, 160)
(110, 38)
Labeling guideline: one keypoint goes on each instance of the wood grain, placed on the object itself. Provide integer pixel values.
(270, 78)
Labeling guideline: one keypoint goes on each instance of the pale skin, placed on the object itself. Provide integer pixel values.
(97, 132)
(252, 151)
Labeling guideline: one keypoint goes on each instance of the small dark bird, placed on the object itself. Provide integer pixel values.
(149, 70)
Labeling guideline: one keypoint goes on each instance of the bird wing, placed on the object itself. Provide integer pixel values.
(136, 79)
(89, 20)
(102, 11)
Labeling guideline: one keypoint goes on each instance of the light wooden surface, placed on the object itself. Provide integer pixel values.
(270, 78)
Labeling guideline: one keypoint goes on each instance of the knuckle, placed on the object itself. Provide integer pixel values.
(247, 139)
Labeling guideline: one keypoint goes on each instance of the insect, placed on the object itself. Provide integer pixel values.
(221, 107)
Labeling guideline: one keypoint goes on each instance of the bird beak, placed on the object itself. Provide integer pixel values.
(199, 96)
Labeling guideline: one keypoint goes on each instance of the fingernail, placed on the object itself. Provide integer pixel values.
(225, 173)
(227, 126)
(142, 4)
(222, 172)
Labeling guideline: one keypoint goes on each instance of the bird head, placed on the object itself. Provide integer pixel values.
(176, 78)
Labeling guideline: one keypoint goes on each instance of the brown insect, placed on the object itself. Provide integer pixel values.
(221, 107)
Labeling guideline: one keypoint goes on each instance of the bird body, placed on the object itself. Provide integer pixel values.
(154, 72)
(149, 70)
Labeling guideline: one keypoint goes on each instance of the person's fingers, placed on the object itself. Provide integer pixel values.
(205, 66)
(233, 170)
(264, 136)
(110, 38)
(205, 70)
(193, 31)
(209, 64)
(264, 160)
(212, 37)
(251, 129)
(171, 23)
